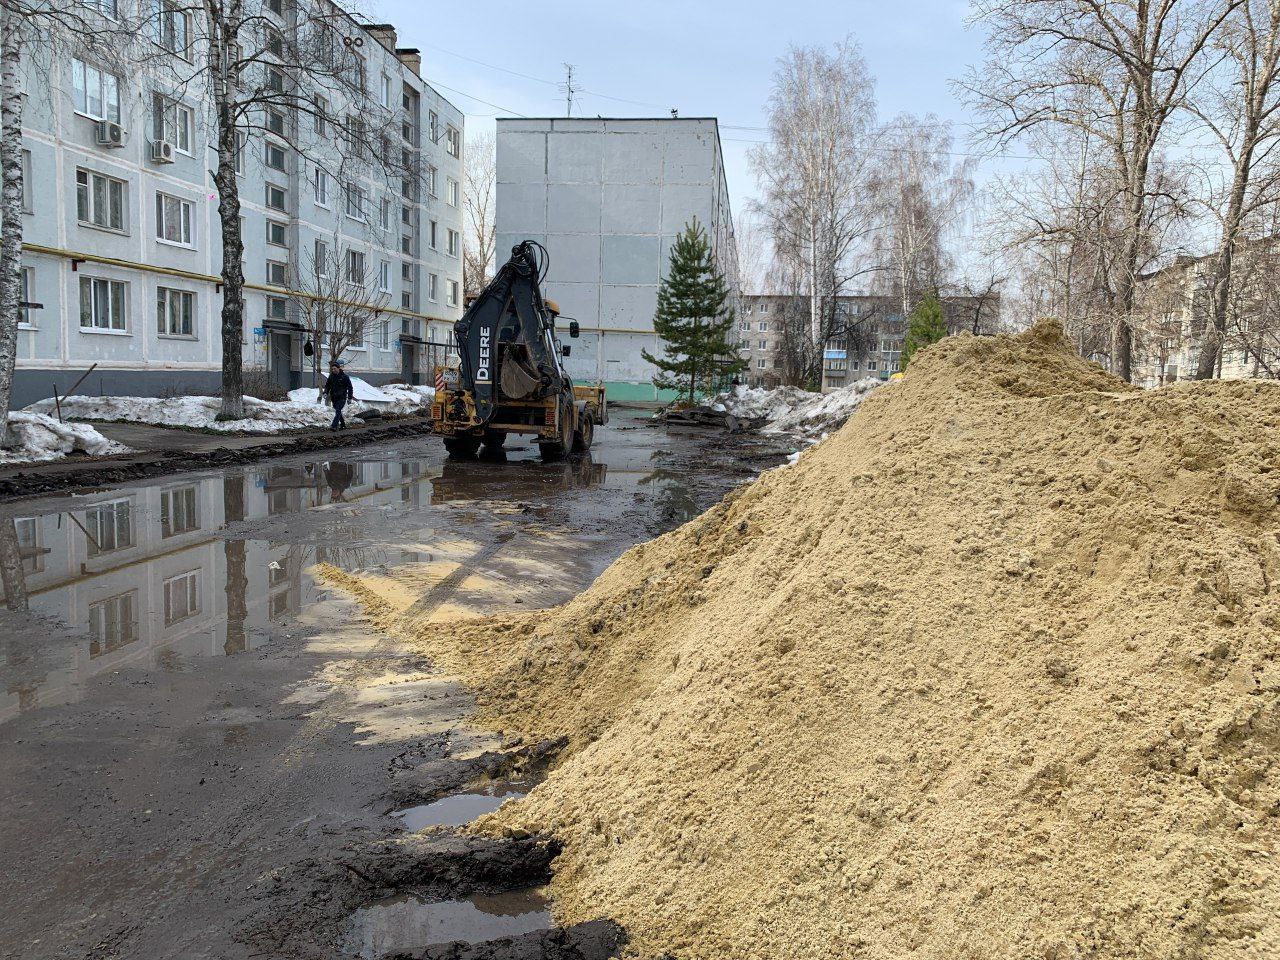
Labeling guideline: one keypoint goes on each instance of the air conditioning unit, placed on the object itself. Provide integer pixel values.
(162, 151)
(110, 134)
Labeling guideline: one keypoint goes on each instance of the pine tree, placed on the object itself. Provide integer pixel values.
(693, 320)
(925, 326)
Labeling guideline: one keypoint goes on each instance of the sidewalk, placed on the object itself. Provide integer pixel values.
(163, 450)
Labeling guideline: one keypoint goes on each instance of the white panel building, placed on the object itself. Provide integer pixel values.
(607, 199)
(122, 245)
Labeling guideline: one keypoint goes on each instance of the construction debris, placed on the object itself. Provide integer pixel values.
(994, 671)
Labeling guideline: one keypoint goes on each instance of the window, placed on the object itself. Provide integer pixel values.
(102, 304)
(96, 93)
(321, 259)
(406, 299)
(764, 344)
(357, 139)
(276, 157)
(274, 79)
(277, 308)
(431, 181)
(385, 91)
(27, 185)
(451, 195)
(451, 243)
(406, 272)
(276, 233)
(761, 364)
(277, 273)
(384, 276)
(273, 42)
(453, 293)
(355, 266)
(100, 200)
(385, 335)
(277, 199)
(871, 364)
(453, 142)
(406, 244)
(433, 232)
(102, 6)
(172, 28)
(384, 214)
(173, 220)
(763, 325)
(181, 597)
(433, 283)
(241, 140)
(322, 188)
(275, 122)
(433, 126)
(764, 307)
(112, 623)
(744, 326)
(178, 512)
(108, 527)
(276, 7)
(175, 312)
(26, 277)
(171, 121)
(321, 116)
(355, 201)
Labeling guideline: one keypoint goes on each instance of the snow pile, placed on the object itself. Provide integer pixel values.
(301, 411)
(34, 437)
(792, 410)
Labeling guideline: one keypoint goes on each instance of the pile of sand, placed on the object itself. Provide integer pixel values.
(992, 672)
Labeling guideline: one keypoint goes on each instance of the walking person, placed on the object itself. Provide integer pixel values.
(338, 390)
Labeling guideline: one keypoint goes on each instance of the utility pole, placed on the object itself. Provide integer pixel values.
(568, 90)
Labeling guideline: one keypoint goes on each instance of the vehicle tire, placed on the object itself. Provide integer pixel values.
(585, 433)
(556, 449)
(462, 448)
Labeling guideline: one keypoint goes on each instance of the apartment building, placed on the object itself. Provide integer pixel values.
(872, 346)
(607, 198)
(122, 243)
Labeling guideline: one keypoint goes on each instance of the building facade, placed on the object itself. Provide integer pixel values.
(872, 349)
(607, 198)
(122, 244)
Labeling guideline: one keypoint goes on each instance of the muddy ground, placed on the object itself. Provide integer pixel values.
(207, 753)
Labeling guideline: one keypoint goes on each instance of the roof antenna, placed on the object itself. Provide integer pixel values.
(675, 114)
(568, 90)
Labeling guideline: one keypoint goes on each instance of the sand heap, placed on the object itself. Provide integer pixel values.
(992, 672)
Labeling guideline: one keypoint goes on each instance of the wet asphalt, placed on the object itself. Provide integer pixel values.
(186, 714)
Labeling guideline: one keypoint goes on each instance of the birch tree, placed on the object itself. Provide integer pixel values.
(1119, 70)
(814, 171)
(1240, 106)
(481, 173)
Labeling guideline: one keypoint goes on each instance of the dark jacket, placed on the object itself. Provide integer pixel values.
(338, 388)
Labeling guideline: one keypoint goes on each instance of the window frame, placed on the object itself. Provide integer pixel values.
(284, 193)
(186, 220)
(80, 84)
(165, 297)
(109, 328)
(91, 203)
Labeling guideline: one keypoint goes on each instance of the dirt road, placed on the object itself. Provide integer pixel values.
(204, 749)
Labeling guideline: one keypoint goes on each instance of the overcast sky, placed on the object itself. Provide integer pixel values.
(704, 58)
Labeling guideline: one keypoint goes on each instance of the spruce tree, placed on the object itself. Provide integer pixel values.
(925, 326)
(693, 320)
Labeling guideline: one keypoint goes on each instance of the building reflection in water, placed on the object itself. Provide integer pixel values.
(144, 573)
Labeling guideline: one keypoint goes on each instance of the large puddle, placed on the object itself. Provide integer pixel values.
(460, 809)
(405, 924)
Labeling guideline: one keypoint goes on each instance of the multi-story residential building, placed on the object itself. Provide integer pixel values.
(872, 346)
(122, 243)
(607, 198)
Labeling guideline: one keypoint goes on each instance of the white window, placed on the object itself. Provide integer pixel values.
(276, 157)
(764, 344)
(384, 213)
(355, 201)
(102, 6)
(275, 79)
(96, 93)
(241, 140)
(178, 511)
(275, 122)
(435, 243)
(453, 293)
(761, 364)
(175, 312)
(451, 243)
(322, 188)
(763, 325)
(277, 308)
(102, 304)
(764, 307)
(433, 283)
(112, 623)
(871, 364)
(433, 126)
(744, 326)
(321, 259)
(273, 42)
(355, 266)
(174, 218)
(321, 116)
(277, 199)
(451, 195)
(385, 90)
(453, 142)
(385, 336)
(26, 277)
(276, 233)
(181, 597)
(27, 186)
(384, 276)
(277, 273)
(100, 200)
(171, 26)
(432, 181)
(108, 526)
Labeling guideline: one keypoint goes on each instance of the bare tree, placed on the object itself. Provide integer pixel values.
(1118, 71)
(813, 174)
(480, 171)
(1240, 106)
(753, 260)
(339, 297)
